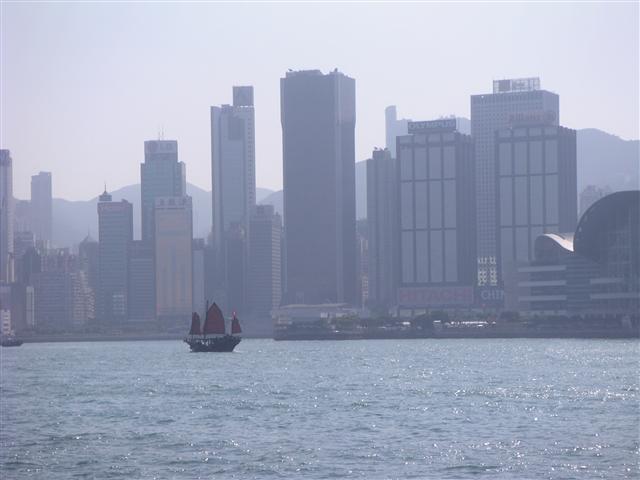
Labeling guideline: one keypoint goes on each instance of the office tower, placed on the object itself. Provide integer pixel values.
(536, 182)
(393, 128)
(22, 221)
(173, 261)
(382, 217)
(265, 274)
(22, 241)
(362, 264)
(199, 297)
(437, 212)
(236, 268)
(88, 257)
(233, 179)
(115, 226)
(6, 217)
(233, 162)
(142, 307)
(162, 175)
(42, 207)
(489, 113)
(590, 195)
(318, 126)
(62, 296)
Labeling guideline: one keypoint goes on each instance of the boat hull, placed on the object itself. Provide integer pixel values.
(13, 342)
(213, 344)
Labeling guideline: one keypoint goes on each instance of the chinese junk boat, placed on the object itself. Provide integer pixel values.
(213, 337)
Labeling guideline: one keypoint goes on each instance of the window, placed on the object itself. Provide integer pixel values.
(449, 161)
(450, 204)
(435, 204)
(422, 257)
(406, 164)
(536, 200)
(435, 163)
(551, 198)
(451, 256)
(437, 255)
(551, 156)
(420, 159)
(535, 157)
(520, 166)
(421, 204)
(406, 205)
(407, 257)
(522, 217)
(504, 158)
(506, 201)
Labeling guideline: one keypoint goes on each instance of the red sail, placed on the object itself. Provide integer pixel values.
(235, 326)
(195, 324)
(214, 323)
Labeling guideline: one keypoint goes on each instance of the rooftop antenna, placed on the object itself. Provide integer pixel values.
(161, 133)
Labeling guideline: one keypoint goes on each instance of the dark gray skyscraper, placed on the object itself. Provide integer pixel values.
(161, 176)
(42, 206)
(318, 127)
(382, 217)
(115, 226)
(6, 217)
(490, 113)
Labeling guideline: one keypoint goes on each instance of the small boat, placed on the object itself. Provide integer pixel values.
(11, 342)
(212, 337)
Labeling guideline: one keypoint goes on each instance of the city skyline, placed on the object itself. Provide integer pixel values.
(103, 104)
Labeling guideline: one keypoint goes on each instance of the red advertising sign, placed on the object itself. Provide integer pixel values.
(427, 297)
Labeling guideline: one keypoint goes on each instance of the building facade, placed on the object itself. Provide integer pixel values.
(265, 276)
(536, 188)
(6, 217)
(436, 228)
(382, 220)
(141, 305)
(115, 230)
(233, 179)
(173, 261)
(42, 207)
(393, 128)
(490, 113)
(318, 127)
(161, 175)
(592, 273)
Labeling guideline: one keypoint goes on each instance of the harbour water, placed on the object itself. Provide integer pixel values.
(518, 408)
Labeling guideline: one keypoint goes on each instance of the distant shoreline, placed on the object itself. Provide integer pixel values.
(339, 336)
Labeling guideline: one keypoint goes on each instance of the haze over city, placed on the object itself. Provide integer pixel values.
(83, 85)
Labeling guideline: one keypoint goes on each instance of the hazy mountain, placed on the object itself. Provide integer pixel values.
(607, 160)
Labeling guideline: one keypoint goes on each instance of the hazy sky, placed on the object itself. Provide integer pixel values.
(83, 85)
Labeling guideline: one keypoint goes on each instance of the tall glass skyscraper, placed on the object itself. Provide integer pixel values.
(233, 179)
(162, 175)
(490, 113)
(318, 127)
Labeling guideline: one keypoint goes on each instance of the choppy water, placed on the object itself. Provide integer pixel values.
(367, 409)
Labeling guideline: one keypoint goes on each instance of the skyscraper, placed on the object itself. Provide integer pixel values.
(142, 307)
(162, 175)
(115, 227)
(393, 128)
(437, 210)
(265, 263)
(173, 261)
(42, 207)
(6, 217)
(318, 127)
(536, 181)
(489, 113)
(382, 217)
(233, 162)
(233, 179)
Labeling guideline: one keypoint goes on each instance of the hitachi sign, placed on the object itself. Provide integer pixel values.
(443, 124)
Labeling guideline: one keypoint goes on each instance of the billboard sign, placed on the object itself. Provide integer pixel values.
(441, 125)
